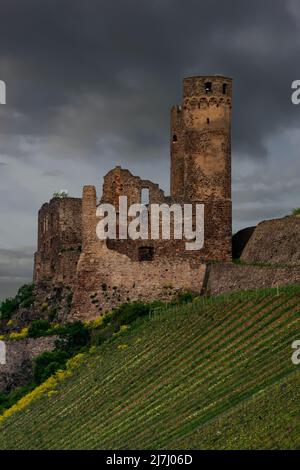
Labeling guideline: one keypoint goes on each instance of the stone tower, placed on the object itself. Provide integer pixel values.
(201, 156)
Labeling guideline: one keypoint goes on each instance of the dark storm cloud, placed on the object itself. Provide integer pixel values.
(82, 70)
(90, 84)
(15, 270)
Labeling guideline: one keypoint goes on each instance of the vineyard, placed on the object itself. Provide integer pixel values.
(211, 374)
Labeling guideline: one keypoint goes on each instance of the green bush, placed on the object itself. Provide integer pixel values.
(73, 337)
(61, 194)
(127, 313)
(25, 296)
(23, 299)
(100, 336)
(47, 363)
(296, 211)
(38, 328)
(184, 298)
(9, 399)
(7, 308)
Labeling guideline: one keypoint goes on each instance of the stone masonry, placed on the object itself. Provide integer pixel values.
(103, 274)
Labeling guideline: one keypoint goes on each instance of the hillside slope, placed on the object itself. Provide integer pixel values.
(216, 374)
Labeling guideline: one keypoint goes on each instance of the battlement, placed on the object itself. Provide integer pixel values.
(210, 85)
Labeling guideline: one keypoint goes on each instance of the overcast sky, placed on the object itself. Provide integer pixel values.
(90, 84)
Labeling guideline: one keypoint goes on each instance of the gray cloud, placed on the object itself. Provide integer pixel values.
(90, 84)
(15, 270)
(82, 71)
(52, 173)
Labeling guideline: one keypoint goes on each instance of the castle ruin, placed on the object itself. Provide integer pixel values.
(104, 274)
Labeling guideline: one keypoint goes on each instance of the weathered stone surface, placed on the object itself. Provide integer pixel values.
(230, 277)
(107, 278)
(59, 241)
(107, 273)
(19, 360)
(201, 158)
(275, 242)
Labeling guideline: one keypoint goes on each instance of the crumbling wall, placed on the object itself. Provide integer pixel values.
(19, 360)
(230, 277)
(107, 273)
(275, 242)
(107, 278)
(59, 241)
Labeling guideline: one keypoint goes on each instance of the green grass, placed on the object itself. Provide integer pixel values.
(211, 374)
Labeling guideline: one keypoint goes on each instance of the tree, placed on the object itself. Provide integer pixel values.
(61, 194)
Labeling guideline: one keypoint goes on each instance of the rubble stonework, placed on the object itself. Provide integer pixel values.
(103, 274)
(59, 241)
(18, 369)
(275, 241)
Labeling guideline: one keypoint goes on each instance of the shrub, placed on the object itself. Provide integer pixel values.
(52, 314)
(61, 194)
(47, 363)
(19, 335)
(9, 399)
(127, 313)
(7, 308)
(73, 337)
(296, 211)
(38, 328)
(184, 298)
(94, 324)
(102, 335)
(25, 296)
(23, 299)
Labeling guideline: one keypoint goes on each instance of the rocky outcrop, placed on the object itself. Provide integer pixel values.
(18, 369)
(275, 242)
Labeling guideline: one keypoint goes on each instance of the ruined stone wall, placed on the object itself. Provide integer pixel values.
(121, 182)
(217, 237)
(229, 277)
(108, 273)
(19, 360)
(275, 241)
(59, 241)
(107, 278)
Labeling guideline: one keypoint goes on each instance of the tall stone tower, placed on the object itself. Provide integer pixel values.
(201, 157)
